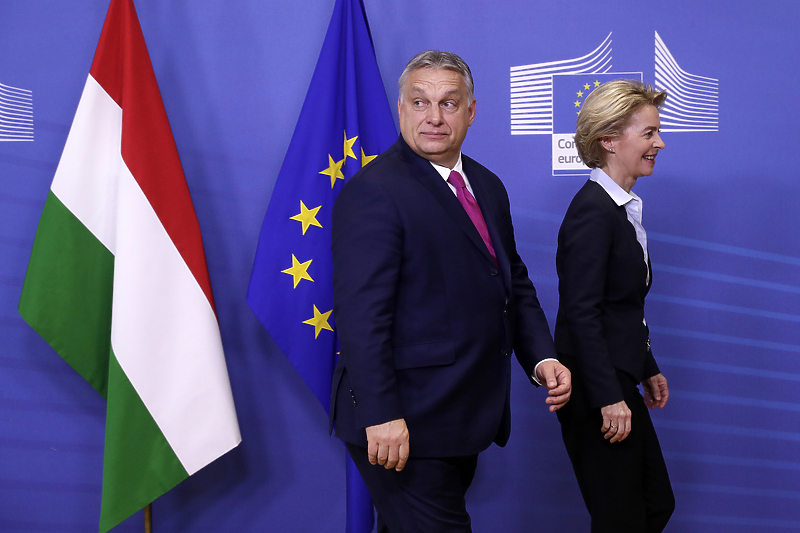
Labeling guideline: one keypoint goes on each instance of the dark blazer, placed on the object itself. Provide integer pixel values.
(426, 319)
(602, 284)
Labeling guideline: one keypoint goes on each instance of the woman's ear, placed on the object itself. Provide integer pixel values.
(608, 144)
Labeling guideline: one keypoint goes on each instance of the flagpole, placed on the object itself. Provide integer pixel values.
(148, 518)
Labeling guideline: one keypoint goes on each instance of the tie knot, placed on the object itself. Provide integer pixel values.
(456, 179)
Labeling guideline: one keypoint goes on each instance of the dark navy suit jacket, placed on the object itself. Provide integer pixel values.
(602, 284)
(426, 319)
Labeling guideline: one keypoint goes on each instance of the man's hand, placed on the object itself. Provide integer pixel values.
(616, 421)
(656, 392)
(387, 444)
(558, 380)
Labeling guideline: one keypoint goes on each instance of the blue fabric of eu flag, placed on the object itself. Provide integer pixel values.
(344, 123)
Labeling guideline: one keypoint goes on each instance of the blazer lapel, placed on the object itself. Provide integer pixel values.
(636, 252)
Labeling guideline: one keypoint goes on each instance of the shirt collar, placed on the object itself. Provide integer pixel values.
(616, 192)
(445, 172)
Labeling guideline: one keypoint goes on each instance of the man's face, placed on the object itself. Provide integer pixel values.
(435, 114)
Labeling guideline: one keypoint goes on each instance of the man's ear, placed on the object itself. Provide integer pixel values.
(472, 108)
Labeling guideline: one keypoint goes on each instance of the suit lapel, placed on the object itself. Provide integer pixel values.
(423, 171)
(477, 181)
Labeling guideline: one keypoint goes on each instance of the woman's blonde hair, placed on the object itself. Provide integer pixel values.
(605, 113)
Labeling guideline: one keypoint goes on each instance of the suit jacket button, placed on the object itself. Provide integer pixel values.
(353, 396)
(494, 272)
(503, 353)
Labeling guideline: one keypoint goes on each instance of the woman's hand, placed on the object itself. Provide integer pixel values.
(616, 421)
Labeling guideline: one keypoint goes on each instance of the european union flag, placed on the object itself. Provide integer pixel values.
(344, 123)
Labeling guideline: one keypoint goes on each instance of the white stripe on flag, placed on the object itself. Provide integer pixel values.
(88, 173)
(165, 336)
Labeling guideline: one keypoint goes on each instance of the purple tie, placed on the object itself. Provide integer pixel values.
(471, 206)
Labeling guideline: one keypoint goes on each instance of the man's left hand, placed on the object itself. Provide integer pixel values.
(558, 380)
(656, 392)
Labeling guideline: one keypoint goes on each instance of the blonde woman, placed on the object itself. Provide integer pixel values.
(601, 334)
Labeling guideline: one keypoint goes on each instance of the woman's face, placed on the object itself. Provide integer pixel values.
(634, 152)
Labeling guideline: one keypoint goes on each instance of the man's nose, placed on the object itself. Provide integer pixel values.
(434, 114)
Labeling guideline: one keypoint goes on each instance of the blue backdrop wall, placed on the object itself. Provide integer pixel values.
(721, 213)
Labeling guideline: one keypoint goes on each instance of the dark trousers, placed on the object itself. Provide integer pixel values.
(625, 485)
(427, 496)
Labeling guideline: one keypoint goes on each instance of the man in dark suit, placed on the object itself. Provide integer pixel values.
(430, 299)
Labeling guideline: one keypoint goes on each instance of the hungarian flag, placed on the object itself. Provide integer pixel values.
(118, 285)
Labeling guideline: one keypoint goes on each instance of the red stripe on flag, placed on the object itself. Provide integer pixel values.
(122, 67)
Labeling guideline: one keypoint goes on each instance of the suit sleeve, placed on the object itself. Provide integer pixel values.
(367, 245)
(532, 341)
(584, 247)
(650, 366)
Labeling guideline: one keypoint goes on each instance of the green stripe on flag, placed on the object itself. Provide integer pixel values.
(68, 292)
(139, 464)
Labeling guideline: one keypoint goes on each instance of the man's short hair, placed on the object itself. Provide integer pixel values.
(436, 60)
(606, 112)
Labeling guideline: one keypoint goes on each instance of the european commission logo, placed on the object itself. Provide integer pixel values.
(16, 114)
(546, 98)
